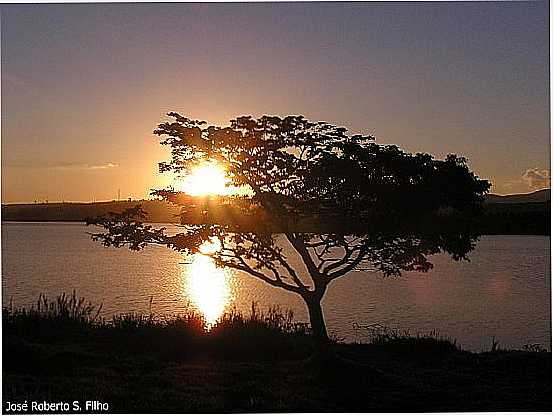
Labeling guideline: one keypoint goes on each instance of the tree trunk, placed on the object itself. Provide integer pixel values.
(318, 325)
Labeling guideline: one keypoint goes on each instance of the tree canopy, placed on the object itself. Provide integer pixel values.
(375, 206)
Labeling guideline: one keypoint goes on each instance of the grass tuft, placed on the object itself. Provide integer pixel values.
(421, 343)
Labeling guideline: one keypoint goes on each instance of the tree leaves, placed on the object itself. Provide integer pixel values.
(377, 206)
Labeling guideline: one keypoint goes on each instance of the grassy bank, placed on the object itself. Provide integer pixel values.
(62, 351)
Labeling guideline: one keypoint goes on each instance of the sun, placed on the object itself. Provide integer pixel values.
(208, 178)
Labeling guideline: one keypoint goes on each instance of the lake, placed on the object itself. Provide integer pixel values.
(503, 292)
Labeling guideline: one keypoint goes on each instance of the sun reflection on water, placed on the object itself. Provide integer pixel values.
(207, 286)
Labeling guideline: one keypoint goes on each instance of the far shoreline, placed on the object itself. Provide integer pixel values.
(522, 214)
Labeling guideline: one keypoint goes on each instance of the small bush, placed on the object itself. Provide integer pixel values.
(422, 343)
(534, 348)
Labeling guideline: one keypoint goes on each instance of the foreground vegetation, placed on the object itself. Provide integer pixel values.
(61, 350)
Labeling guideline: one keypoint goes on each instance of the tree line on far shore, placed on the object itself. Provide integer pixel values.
(500, 218)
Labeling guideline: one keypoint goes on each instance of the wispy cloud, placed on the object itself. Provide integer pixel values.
(84, 166)
(28, 164)
(537, 178)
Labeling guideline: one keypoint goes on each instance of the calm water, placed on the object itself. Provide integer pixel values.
(503, 292)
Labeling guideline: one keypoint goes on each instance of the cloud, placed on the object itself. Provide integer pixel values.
(28, 164)
(107, 165)
(84, 166)
(537, 178)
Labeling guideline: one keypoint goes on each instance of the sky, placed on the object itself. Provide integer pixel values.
(84, 85)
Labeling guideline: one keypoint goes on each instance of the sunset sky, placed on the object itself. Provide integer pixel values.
(84, 85)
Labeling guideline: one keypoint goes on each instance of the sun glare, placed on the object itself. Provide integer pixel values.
(211, 246)
(207, 179)
(207, 285)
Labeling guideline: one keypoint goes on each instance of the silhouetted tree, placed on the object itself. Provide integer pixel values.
(341, 201)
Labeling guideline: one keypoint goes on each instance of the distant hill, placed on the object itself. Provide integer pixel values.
(543, 195)
(522, 214)
(159, 211)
